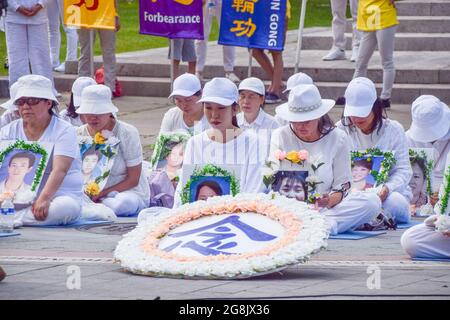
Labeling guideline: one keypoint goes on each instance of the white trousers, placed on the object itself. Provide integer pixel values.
(385, 39)
(422, 241)
(96, 211)
(339, 10)
(397, 206)
(55, 12)
(63, 210)
(356, 209)
(28, 45)
(108, 45)
(201, 46)
(125, 203)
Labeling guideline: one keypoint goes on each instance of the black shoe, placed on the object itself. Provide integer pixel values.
(340, 101)
(386, 103)
(6, 64)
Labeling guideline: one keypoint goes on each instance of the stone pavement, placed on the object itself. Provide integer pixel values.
(40, 261)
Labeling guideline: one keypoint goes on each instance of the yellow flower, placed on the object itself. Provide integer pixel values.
(92, 189)
(293, 156)
(99, 138)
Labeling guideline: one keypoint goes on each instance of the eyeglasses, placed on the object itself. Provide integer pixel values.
(28, 101)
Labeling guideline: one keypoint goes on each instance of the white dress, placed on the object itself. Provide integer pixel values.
(333, 150)
(391, 137)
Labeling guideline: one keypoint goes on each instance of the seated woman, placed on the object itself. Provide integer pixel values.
(430, 128)
(126, 191)
(423, 241)
(311, 129)
(70, 114)
(59, 199)
(11, 113)
(367, 127)
(188, 113)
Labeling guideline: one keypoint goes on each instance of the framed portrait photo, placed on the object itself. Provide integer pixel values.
(421, 160)
(291, 184)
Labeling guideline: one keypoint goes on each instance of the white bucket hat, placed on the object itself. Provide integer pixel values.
(298, 79)
(35, 86)
(220, 90)
(304, 104)
(96, 99)
(253, 84)
(360, 96)
(78, 86)
(430, 119)
(186, 85)
(9, 105)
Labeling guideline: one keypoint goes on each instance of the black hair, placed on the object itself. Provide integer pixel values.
(362, 163)
(326, 125)
(210, 184)
(291, 176)
(379, 115)
(31, 158)
(91, 151)
(71, 110)
(421, 163)
(234, 120)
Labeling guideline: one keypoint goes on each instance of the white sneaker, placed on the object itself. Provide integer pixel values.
(61, 68)
(355, 53)
(335, 54)
(232, 76)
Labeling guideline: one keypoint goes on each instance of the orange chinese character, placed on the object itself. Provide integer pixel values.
(244, 5)
(241, 28)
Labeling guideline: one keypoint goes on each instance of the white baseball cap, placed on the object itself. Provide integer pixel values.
(186, 85)
(304, 104)
(220, 90)
(96, 99)
(77, 88)
(253, 84)
(360, 96)
(9, 105)
(297, 79)
(35, 86)
(430, 119)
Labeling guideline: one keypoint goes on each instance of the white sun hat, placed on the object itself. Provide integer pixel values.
(430, 119)
(253, 84)
(78, 86)
(220, 90)
(360, 96)
(9, 105)
(298, 79)
(186, 85)
(304, 104)
(96, 99)
(35, 86)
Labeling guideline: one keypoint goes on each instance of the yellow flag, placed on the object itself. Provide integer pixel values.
(99, 14)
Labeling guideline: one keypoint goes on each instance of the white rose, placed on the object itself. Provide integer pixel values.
(312, 179)
(266, 171)
(442, 223)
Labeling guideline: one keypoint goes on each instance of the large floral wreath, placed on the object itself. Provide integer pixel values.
(305, 233)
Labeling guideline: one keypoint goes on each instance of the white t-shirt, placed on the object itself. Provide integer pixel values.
(13, 16)
(76, 122)
(441, 149)
(7, 117)
(64, 138)
(391, 137)
(129, 154)
(332, 149)
(173, 121)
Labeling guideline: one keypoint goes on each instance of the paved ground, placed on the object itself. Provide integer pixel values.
(40, 262)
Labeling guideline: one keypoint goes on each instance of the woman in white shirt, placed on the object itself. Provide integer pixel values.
(430, 128)
(311, 129)
(366, 127)
(188, 113)
(126, 191)
(70, 114)
(59, 199)
(252, 115)
(423, 241)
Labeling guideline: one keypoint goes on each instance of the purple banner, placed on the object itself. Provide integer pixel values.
(173, 19)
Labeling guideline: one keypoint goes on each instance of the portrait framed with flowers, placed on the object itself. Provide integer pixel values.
(97, 158)
(291, 184)
(22, 170)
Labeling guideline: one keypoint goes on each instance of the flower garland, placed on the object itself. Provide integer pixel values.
(414, 156)
(209, 170)
(305, 234)
(161, 149)
(33, 148)
(445, 197)
(386, 165)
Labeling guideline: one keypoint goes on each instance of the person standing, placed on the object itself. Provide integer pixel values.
(27, 39)
(108, 45)
(339, 9)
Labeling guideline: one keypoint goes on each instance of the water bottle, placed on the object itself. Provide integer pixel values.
(7, 215)
(211, 7)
